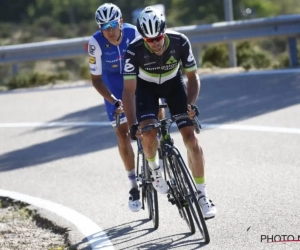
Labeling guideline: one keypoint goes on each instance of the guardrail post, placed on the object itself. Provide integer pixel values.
(228, 10)
(15, 69)
(196, 52)
(293, 53)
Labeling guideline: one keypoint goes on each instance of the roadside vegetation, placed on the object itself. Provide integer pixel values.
(40, 20)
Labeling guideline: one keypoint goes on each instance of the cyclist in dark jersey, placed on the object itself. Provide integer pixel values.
(153, 70)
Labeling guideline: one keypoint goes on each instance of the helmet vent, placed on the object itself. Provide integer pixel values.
(150, 27)
(111, 10)
(105, 12)
(145, 28)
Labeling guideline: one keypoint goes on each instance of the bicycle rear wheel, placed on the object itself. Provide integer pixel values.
(150, 196)
(189, 189)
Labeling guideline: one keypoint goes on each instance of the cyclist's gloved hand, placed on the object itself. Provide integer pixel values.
(117, 103)
(133, 130)
(119, 106)
(192, 110)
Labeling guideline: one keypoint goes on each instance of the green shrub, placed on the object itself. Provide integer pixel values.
(207, 64)
(44, 24)
(283, 61)
(35, 79)
(216, 55)
(6, 30)
(84, 71)
(248, 56)
(261, 60)
(244, 53)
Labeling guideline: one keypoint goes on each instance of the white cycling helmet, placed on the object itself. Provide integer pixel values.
(151, 23)
(107, 12)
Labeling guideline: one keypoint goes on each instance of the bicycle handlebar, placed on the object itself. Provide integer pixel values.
(175, 118)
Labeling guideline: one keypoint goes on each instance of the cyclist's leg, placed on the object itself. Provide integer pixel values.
(146, 111)
(124, 141)
(177, 102)
(126, 154)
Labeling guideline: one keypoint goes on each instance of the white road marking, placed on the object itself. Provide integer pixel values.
(253, 128)
(103, 124)
(96, 237)
(53, 124)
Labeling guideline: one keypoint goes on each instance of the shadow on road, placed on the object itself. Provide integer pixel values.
(231, 99)
(222, 100)
(124, 236)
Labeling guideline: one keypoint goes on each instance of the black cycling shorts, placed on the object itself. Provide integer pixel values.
(174, 93)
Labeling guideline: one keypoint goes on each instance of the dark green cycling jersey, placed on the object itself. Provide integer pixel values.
(142, 62)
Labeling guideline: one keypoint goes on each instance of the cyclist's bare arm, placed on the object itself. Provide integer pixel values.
(95, 64)
(102, 89)
(193, 86)
(128, 99)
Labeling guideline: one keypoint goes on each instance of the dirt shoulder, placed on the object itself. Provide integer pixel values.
(22, 228)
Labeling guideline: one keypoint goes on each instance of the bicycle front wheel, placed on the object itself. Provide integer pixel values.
(189, 190)
(176, 192)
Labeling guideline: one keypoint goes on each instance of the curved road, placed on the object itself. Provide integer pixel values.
(252, 171)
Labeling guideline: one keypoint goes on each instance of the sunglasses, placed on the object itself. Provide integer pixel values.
(151, 40)
(112, 24)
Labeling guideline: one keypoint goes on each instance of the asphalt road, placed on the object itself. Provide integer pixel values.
(252, 176)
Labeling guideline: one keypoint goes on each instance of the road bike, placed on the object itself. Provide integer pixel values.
(182, 189)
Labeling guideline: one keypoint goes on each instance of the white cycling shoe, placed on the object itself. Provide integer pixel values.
(208, 208)
(134, 202)
(158, 182)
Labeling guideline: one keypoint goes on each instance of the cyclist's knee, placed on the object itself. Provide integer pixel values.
(122, 133)
(151, 134)
(189, 136)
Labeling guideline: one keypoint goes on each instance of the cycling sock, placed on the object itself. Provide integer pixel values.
(201, 186)
(132, 178)
(161, 164)
(153, 163)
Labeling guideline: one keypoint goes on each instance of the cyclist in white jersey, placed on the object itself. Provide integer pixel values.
(106, 60)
